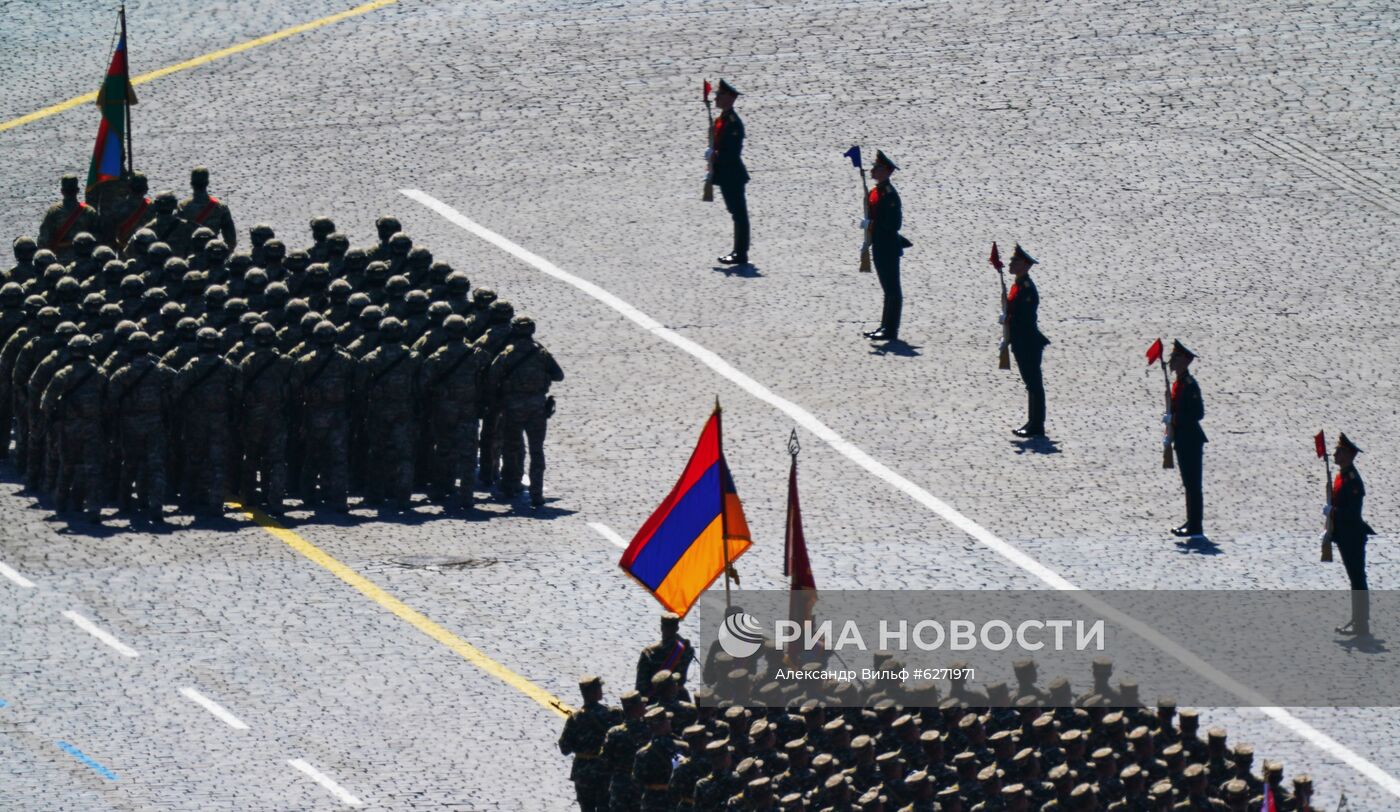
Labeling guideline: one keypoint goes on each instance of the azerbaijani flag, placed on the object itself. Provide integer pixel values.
(108, 158)
(680, 550)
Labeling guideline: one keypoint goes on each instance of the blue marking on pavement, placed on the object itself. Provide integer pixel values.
(86, 759)
(3, 703)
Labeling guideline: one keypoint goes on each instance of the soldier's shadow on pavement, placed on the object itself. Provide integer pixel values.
(1363, 645)
(1036, 445)
(898, 347)
(747, 271)
(1198, 545)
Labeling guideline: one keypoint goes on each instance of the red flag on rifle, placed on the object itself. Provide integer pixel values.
(995, 258)
(707, 90)
(1154, 352)
(1320, 444)
(803, 596)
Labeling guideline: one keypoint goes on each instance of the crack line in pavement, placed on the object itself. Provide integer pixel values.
(945, 511)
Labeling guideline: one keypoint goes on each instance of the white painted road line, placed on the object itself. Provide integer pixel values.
(214, 707)
(878, 469)
(15, 576)
(91, 628)
(608, 533)
(319, 777)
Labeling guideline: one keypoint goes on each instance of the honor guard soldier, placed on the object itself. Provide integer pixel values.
(584, 732)
(1027, 342)
(1187, 411)
(1349, 533)
(65, 219)
(203, 209)
(886, 216)
(122, 217)
(674, 653)
(727, 170)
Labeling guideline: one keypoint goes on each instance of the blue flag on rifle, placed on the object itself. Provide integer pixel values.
(854, 154)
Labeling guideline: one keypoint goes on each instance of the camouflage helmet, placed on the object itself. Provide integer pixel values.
(298, 260)
(420, 257)
(439, 310)
(66, 329)
(338, 243)
(25, 247)
(116, 269)
(339, 290)
(158, 252)
(192, 283)
(33, 304)
(296, 308)
(186, 327)
(260, 233)
(43, 258)
(416, 301)
(84, 240)
(277, 295)
(109, 314)
(143, 238)
(390, 327)
(154, 297)
(455, 325)
(274, 249)
(176, 268)
(79, 344)
(48, 318)
(139, 342)
(439, 271)
(239, 262)
(264, 334)
(457, 282)
(54, 273)
(236, 307)
(501, 311)
(165, 202)
(170, 312)
(104, 253)
(309, 321)
(358, 301)
(483, 297)
(68, 289)
(248, 320)
(387, 226)
(377, 272)
(132, 285)
(321, 226)
(92, 303)
(215, 293)
(125, 328)
(202, 235)
(400, 244)
(356, 259)
(398, 285)
(207, 338)
(522, 326)
(255, 279)
(319, 271)
(11, 294)
(370, 316)
(218, 248)
(324, 332)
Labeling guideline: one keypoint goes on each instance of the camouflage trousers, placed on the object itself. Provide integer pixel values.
(7, 418)
(264, 459)
(521, 423)
(77, 482)
(325, 462)
(390, 453)
(204, 448)
(19, 406)
(452, 432)
(143, 456)
(36, 447)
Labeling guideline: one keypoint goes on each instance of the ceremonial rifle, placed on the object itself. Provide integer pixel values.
(1320, 445)
(1004, 350)
(1154, 353)
(854, 154)
(708, 195)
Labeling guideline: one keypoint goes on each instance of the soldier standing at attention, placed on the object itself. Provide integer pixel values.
(72, 408)
(886, 245)
(1350, 531)
(1027, 342)
(321, 390)
(205, 392)
(124, 216)
(203, 209)
(582, 738)
(452, 390)
(65, 219)
(169, 226)
(386, 391)
(522, 375)
(727, 170)
(321, 228)
(1187, 437)
(620, 748)
(673, 653)
(651, 769)
(263, 418)
(138, 395)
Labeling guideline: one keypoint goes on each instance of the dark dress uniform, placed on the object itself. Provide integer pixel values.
(1187, 411)
(1028, 345)
(1349, 533)
(728, 173)
(886, 216)
(584, 732)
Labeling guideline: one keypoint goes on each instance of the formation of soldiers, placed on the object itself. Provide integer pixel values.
(887, 746)
(145, 363)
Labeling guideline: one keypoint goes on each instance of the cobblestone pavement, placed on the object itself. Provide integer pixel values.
(1220, 172)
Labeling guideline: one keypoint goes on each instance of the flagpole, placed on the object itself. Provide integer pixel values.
(126, 102)
(723, 522)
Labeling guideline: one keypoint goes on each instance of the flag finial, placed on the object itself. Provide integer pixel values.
(794, 447)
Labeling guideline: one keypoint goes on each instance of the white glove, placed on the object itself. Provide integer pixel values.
(1001, 345)
(1326, 510)
(1166, 442)
(864, 224)
(1001, 318)
(1167, 418)
(708, 153)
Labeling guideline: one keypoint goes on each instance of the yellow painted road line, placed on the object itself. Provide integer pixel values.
(89, 98)
(413, 617)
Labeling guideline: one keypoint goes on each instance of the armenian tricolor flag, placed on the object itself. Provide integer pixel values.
(113, 98)
(700, 527)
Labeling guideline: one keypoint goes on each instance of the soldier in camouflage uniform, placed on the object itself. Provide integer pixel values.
(436, 334)
(246, 324)
(274, 257)
(108, 280)
(321, 228)
(296, 265)
(71, 408)
(458, 292)
(386, 227)
(350, 327)
(159, 271)
(452, 378)
(266, 375)
(493, 341)
(84, 266)
(415, 315)
(352, 269)
(91, 308)
(130, 296)
(584, 731)
(395, 290)
(39, 467)
(522, 375)
(399, 247)
(65, 219)
(123, 217)
(138, 395)
(316, 288)
(202, 209)
(216, 270)
(23, 270)
(169, 227)
(386, 389)
(12, 319)
(45, 321)
(68, 298)
(337, 305)
(199, 241)
(479, 318)
(104, 332)
(258, 236)
(620, 747)
(376, 277)
(205, 392)
(237, 283)
(322, 382)
(651, 769)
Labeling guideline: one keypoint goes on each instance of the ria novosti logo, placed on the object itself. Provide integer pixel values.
(740, 635)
